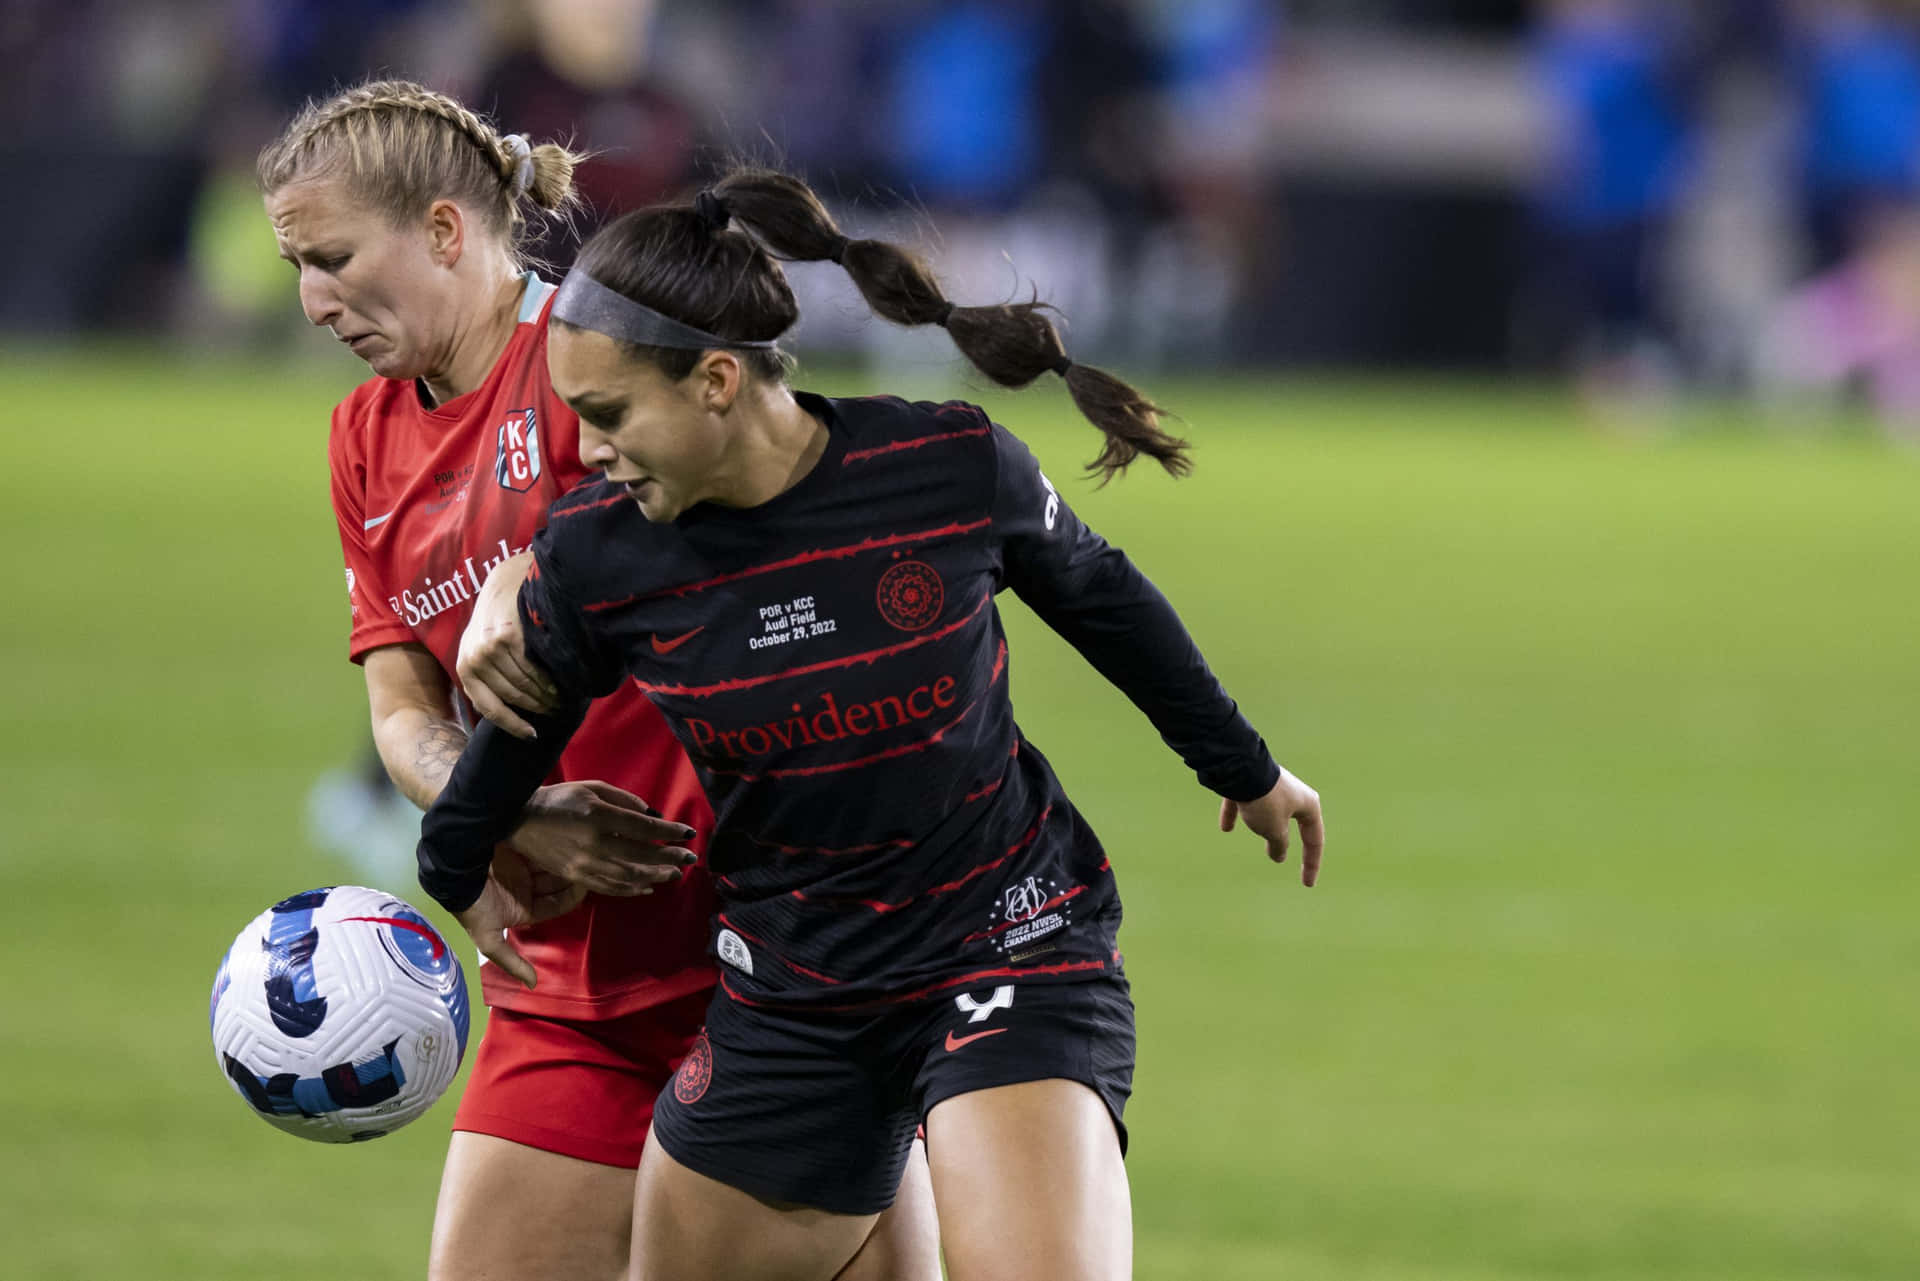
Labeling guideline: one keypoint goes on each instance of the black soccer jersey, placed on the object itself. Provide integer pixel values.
(834, 663)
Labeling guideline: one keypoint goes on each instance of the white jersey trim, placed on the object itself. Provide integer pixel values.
(535, 297)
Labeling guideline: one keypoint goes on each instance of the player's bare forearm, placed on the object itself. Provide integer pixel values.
(419, 751)
(411, 702)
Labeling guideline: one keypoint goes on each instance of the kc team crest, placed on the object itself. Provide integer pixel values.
(516, 460)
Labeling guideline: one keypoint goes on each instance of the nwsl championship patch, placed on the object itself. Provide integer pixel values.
(516, 458)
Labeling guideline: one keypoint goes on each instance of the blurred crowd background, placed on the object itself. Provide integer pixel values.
(1649, 197)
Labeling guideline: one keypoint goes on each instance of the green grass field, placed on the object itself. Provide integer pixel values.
(1611, 974)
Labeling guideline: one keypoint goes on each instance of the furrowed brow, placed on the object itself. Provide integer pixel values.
(588, 403)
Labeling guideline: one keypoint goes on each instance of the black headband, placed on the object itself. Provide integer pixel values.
(585, 302)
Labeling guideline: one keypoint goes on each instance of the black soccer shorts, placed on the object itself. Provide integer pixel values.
(820, 1109)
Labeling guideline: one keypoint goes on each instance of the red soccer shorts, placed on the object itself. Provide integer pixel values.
(581, 1088)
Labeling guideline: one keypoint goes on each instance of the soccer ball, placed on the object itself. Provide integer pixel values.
(340, 1014)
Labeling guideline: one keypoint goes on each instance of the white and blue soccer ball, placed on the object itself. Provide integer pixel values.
(339, 1014)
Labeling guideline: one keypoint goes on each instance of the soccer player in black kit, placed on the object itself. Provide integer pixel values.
(916, 925)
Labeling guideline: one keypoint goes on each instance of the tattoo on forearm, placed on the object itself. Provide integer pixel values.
(435, 752)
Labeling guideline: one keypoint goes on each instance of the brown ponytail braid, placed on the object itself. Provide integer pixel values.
(689, 263)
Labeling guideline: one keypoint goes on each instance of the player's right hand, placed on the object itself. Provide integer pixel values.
(493, 666)
(515, 894)
(593, 835)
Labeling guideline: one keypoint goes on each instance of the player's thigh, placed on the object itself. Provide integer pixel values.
(1030, 1184)
(690, 1227)
(509, 1212)
(905, 1244)
(539, 1178)
(783, 1138)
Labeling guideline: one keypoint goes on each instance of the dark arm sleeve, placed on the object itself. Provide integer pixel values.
(1094, 597)
(482, 801)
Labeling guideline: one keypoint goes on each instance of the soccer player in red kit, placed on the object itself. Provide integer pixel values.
(917, 925)
(401, 211)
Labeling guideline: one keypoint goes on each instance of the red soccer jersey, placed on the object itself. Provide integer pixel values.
(429, 500)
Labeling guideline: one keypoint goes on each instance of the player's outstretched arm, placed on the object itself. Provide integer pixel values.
(588, 833)
(1289, 801)
(1088, 592)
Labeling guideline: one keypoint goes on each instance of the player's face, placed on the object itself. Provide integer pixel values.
(646, 431)
(379, 288)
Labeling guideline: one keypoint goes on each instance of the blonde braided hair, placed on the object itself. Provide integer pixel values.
(400, 146)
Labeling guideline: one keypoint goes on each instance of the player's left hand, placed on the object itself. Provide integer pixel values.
(492, 664)
(516, 894)
(1271, 815)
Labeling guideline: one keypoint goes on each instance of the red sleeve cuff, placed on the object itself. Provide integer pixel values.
(363, 643)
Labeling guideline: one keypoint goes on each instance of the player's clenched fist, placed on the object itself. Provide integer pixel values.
(596, 836)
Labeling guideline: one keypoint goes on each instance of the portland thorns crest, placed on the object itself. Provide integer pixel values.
(696, 1070)
(911, 595)
(516, 462)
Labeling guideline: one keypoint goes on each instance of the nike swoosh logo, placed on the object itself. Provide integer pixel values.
(377, 520)
(955, 1042)
(668, 646)
(417, 928)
